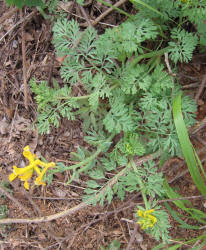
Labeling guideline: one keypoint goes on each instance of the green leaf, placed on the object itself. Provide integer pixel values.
(92, 184)
(182, 49)
(90, 191)
(97, 174)
(109, 194)
(81, 153)
(108, 164)
(186, 146)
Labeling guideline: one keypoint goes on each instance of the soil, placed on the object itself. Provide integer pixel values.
(89, 227)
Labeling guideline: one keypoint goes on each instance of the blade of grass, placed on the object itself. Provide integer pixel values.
(199, 163)
(178, 219)
(186, 146)
(192, 241)
(173, 195)
(162, 246)
(193, 212)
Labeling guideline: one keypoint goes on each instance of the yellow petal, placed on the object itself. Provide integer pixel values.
(140, 213)
(51, 164)
(37, 169)
(39, 181)
(27, 148)
(26, 176)
(149, 211)
(12, 177)
(44, 164)
(153, 219)
(27, 154)
(20, 171)
(26, 185)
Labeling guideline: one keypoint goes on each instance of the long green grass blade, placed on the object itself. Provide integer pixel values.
(178, 219)
(177, 246)
(186, 146)
(173, 195)
(195, 214)
(199, 163)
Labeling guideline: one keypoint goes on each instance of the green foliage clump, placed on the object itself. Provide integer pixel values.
(123, 98)
(177, 13)
(29, 3)
(133, 99)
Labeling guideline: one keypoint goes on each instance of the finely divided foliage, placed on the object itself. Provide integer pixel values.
(120, 98)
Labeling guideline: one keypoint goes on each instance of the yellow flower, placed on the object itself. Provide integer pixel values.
(146, 220)
(38, 180)
(24, 174)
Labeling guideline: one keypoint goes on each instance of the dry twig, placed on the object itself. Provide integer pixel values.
(18, 23)
(99, 18)
(85, 15)
(168, 65)
(24, 62)
(203, 83)
(82, 205)
(197, 127)
(132, 238)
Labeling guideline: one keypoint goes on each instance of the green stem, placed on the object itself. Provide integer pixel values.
(149, 55)
(87, 160)
(76, 98)
(141, 184)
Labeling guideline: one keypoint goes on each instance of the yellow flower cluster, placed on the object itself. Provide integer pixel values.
(24, 174)
(146, 220)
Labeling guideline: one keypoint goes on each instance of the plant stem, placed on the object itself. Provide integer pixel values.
(148, 55)
(86, 161)
(141, 184)
(76, 98)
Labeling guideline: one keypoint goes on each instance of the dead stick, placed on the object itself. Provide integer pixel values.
(24, 63)
(81, 205)
(168, 65)
(96, 21)
(200, 88)
(197, 127)
(85, 15)
(132, 238)
(18, 23)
